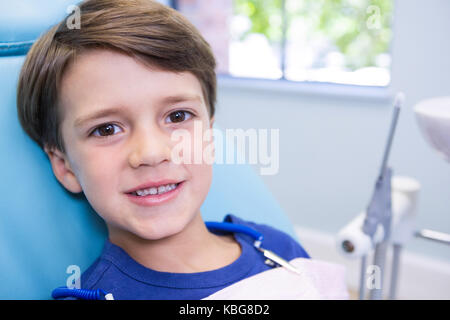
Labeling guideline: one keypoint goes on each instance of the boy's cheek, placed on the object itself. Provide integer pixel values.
(202, 179)
(97, 181)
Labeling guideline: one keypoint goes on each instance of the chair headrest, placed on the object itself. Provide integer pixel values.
(22, 22)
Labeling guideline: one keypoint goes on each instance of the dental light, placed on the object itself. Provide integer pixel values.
(433, 118)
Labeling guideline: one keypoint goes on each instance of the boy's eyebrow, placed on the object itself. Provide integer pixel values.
(117, 111)
(98, 114)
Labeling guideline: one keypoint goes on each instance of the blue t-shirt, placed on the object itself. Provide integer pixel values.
(117, 273)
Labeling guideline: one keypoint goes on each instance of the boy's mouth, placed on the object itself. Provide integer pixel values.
(155, 190)
(155, 195)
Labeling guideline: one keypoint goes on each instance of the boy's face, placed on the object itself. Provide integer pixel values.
(108, 156)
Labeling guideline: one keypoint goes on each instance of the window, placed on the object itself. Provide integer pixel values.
(337, 41)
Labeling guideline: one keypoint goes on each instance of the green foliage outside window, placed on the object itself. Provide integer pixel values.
(359, 29)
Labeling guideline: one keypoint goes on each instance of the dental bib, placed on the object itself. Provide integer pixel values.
(318, 280)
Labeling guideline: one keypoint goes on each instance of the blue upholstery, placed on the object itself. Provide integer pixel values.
(43, 227)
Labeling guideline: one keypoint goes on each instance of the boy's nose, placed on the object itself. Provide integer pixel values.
(149, 147)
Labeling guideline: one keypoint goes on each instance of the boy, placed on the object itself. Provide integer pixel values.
(103, 102)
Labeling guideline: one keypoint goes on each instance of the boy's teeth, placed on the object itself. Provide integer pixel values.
(158, 190)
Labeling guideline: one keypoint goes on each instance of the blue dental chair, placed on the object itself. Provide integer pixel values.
(43, 227)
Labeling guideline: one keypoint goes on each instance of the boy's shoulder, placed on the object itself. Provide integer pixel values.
(274, 239)
(94, 272)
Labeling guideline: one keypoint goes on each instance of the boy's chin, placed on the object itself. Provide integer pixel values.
(154, 235)
(158, 230)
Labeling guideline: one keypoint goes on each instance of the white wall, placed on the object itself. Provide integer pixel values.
(331, 147)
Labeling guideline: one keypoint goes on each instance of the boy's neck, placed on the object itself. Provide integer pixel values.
(194, 249)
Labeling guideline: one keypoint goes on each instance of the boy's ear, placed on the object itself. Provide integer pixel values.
(62, 170)
(211, 122)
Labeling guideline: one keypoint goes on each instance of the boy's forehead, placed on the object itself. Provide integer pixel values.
(102, 77)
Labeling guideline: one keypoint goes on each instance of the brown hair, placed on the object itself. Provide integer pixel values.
(144, 29)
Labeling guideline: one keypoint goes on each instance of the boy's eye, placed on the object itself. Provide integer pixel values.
(105, 130)
(108, 129)
(179, 116)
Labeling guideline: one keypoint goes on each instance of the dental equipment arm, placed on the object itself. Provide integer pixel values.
(377, 221)
(379, 211)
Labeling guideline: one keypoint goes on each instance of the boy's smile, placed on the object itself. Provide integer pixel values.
(117, 116)
(159, 194)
